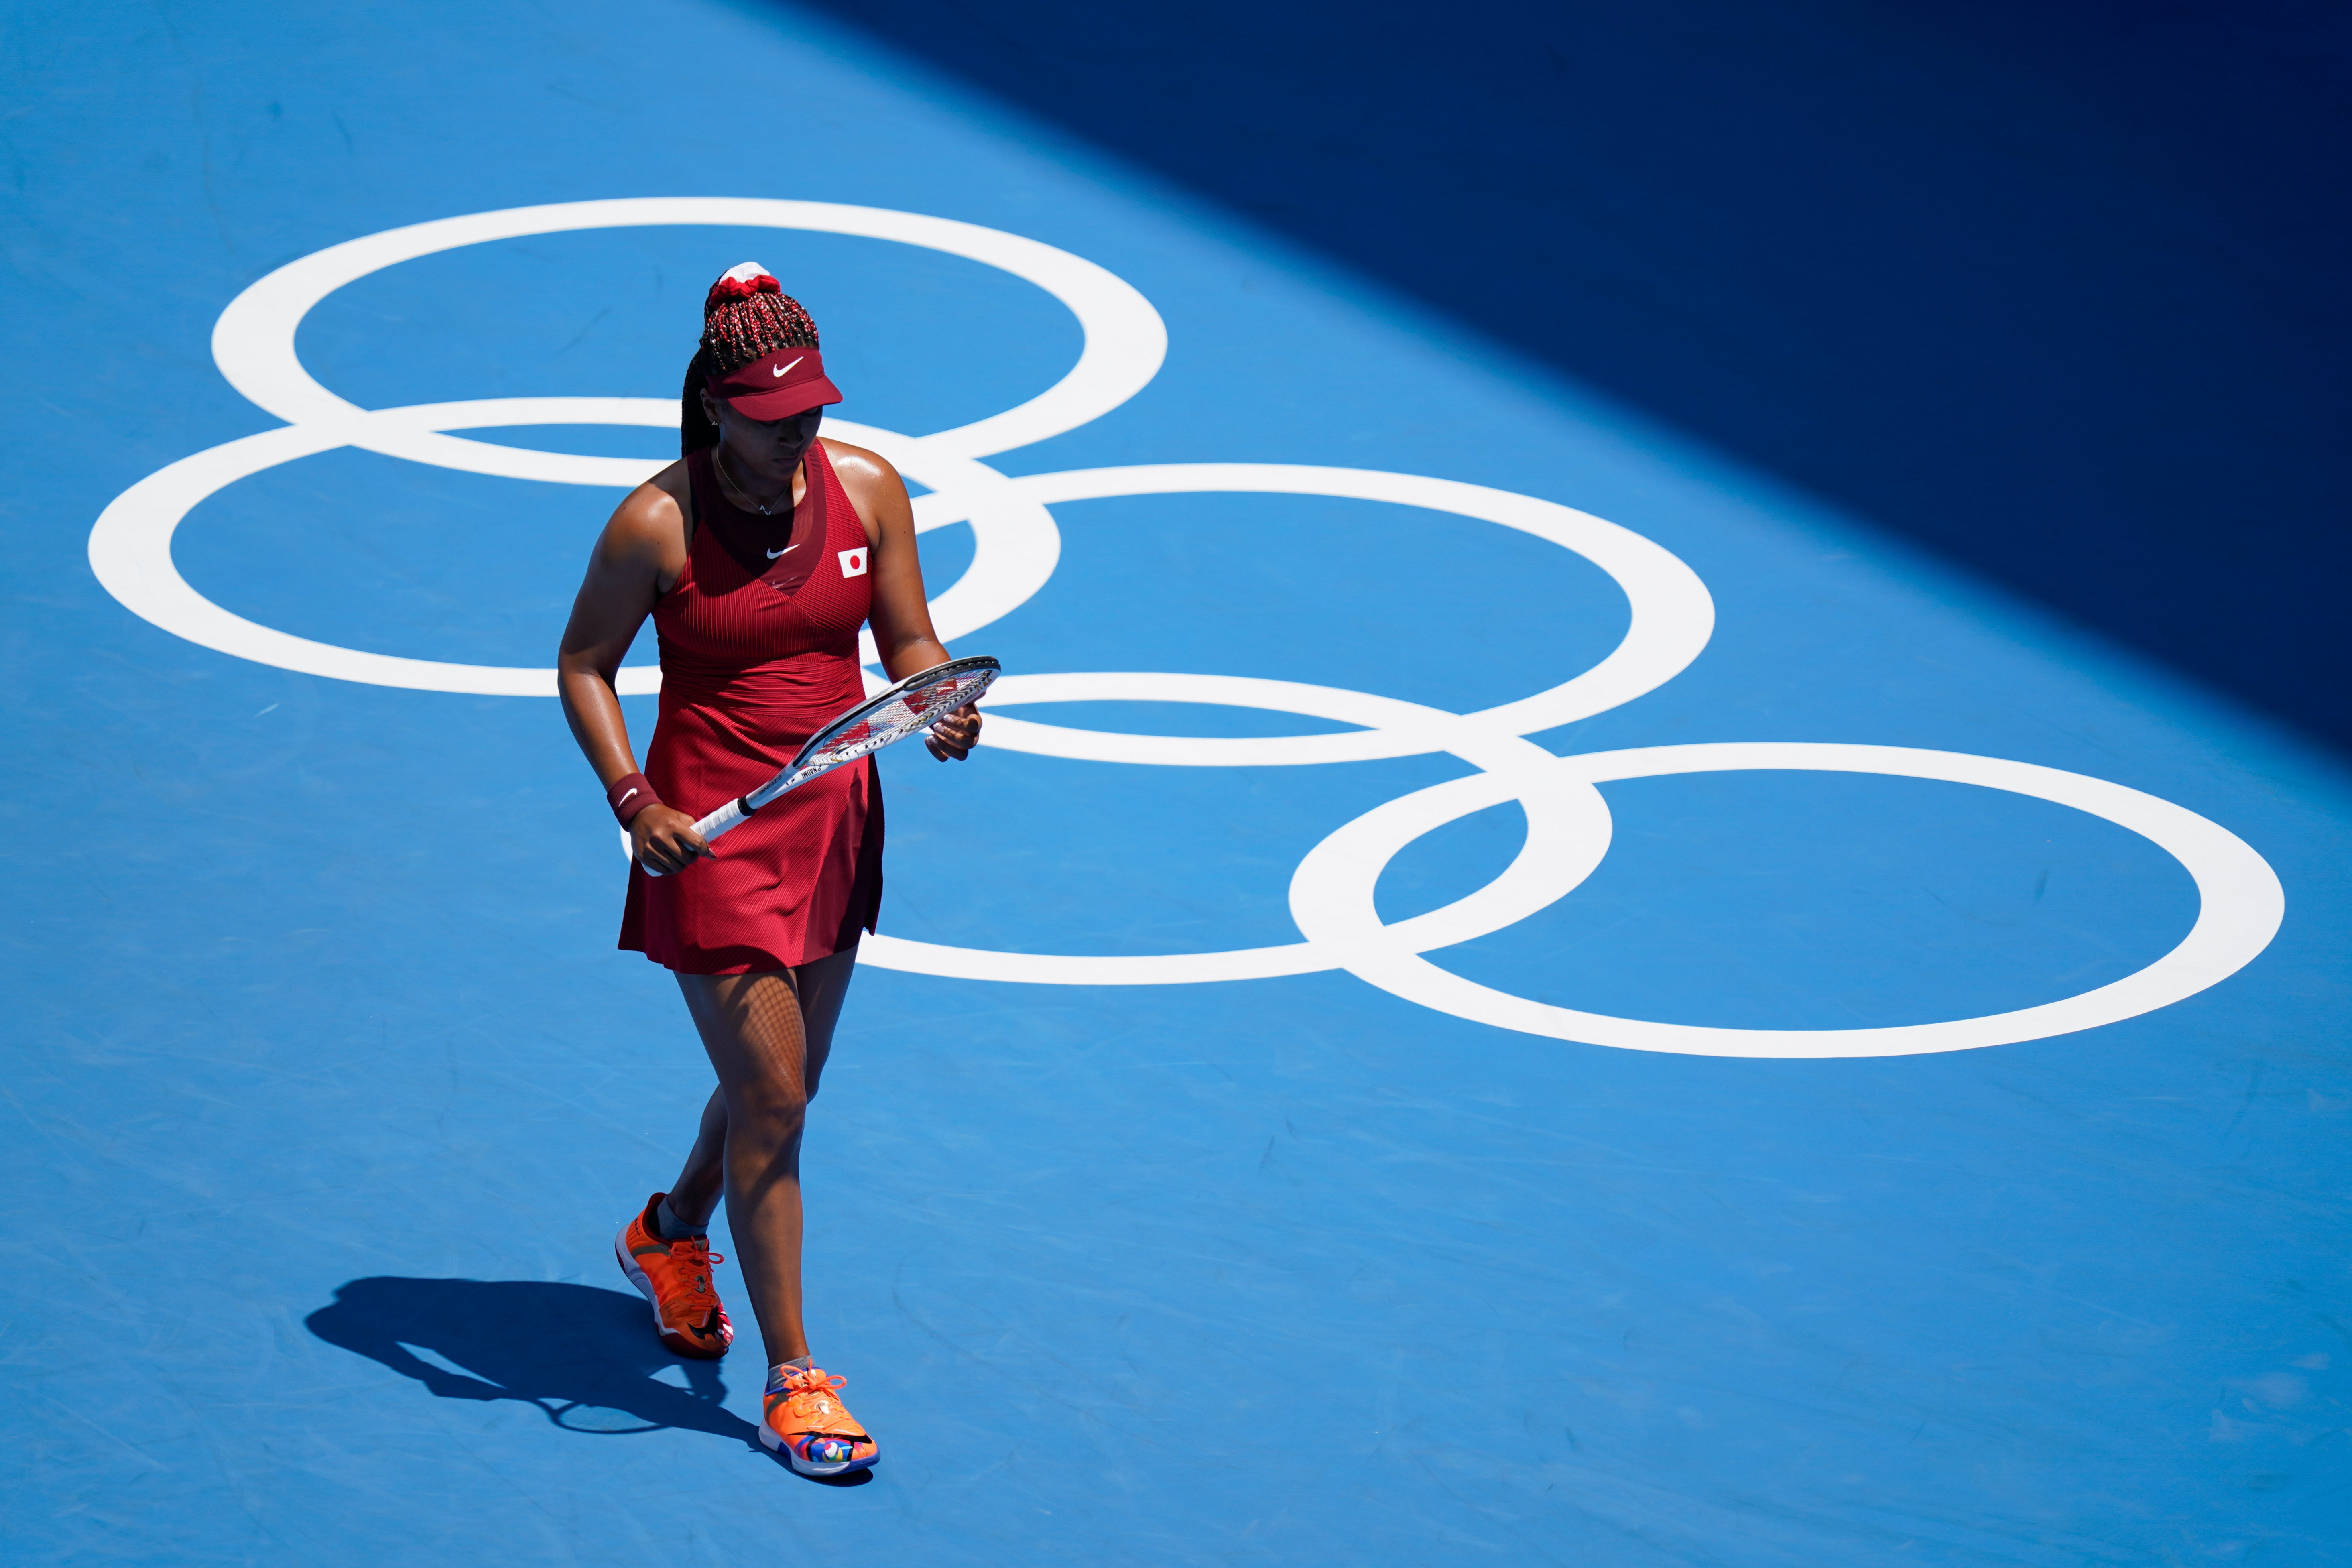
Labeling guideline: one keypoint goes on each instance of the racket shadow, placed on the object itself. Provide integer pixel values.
(586, 1357)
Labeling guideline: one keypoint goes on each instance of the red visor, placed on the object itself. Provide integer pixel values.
(788, 382)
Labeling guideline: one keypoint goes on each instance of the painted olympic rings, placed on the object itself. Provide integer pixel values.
(1018, 544)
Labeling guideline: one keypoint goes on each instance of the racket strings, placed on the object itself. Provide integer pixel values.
(899, 718)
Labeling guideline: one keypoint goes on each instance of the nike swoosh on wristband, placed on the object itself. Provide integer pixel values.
(624, 799)
(779, 374)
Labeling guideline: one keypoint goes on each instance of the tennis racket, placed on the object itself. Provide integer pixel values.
(883, 719)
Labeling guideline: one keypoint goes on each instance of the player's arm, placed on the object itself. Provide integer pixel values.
(901, 615)
(637, 558)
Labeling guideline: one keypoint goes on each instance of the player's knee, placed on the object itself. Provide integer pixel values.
(773, 1106)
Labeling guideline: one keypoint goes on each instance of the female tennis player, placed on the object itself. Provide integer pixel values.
(759, 554)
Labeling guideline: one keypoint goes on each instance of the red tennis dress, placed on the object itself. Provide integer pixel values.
(759, 647)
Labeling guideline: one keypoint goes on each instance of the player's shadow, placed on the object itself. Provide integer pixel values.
(585, 1356)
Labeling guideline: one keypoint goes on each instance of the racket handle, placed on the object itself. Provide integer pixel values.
(710, 826)
(719, 821)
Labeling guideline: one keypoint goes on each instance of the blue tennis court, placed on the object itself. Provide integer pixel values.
(1508, 985)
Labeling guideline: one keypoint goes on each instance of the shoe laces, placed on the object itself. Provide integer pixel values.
(809, 1380)
(693, 1254)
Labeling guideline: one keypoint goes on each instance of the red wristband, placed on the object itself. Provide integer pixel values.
(630, 795)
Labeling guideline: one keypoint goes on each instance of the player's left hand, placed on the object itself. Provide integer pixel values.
(955, 735)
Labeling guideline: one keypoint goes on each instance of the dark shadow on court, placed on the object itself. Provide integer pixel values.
(2054, 290)
(584, 1356)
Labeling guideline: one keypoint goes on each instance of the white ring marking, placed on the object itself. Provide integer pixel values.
(2240, 905)
(253, 342)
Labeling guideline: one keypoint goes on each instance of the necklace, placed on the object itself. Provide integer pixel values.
(741, 495)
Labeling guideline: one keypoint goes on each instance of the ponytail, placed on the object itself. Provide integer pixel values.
(695, 433)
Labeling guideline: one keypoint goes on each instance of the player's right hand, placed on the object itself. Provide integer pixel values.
(663, 839)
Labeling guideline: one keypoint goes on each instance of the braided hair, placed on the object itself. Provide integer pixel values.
(746, 316)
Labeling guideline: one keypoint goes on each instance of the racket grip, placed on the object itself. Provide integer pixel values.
(710, 826)
(719, 821)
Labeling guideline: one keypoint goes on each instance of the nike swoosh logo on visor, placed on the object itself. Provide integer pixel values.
(779, 374)
(787, 550)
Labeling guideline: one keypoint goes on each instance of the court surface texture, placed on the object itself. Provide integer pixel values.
(1507, 987)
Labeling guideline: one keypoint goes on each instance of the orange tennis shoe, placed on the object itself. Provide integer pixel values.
(807, 1425)
(675, 1276)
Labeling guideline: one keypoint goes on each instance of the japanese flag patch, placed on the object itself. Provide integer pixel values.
(853, 562)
